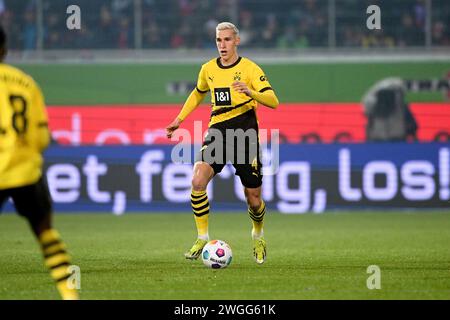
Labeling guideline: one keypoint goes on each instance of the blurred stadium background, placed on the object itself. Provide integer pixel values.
(112, 87)
(177, 24)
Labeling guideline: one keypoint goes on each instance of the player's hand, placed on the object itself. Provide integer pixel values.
(172, 127)
(241, 87)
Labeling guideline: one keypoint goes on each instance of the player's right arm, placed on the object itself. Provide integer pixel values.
(193, 101)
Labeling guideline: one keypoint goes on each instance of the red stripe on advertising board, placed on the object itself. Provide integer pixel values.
(307, 122)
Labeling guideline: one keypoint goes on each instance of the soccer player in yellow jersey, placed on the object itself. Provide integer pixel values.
(237, 85)
(24, 135)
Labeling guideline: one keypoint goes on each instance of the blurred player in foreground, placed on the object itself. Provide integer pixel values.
(237, 84)
(24, 135)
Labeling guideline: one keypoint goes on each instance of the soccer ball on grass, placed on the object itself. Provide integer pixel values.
(217, 254)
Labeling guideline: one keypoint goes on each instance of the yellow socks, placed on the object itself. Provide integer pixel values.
(200, 207)
(58, 262)
(258, 220)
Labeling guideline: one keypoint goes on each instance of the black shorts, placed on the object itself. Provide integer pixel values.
(236, 141)
(31, 201)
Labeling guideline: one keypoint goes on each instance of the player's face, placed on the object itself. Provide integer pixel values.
(227, 43)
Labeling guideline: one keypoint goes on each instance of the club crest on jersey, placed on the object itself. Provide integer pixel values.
(237, 76)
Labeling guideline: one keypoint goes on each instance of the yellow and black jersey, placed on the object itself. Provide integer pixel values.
(24, 130)
(225, 102)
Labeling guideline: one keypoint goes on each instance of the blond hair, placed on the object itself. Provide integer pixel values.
(227, 26)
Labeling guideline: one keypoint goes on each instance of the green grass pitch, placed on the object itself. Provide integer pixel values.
(310, 256)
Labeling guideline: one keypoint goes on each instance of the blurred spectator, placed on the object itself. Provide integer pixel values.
(107, 29)
(121, 6)
(53, 37)
(223, 10)
(352, 37)
(125, 34)
(377, 39)
(438, 34)
(409, 34)
(269, 32)
(152, 35)
(210, 34)
(420, 14)
(185, 7)
(246, 29)
(315, 14)
(2, 7)
(9, 22)
(290, 39)
(30, 30)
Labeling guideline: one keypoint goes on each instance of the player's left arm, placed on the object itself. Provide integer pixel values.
(42, 138)
(261, 89)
